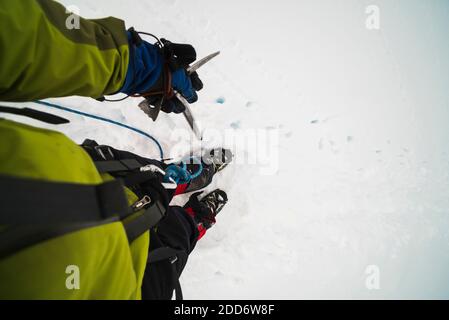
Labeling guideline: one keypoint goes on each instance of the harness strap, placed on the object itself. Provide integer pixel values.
(170, 254)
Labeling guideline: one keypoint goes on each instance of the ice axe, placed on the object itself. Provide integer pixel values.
(153, 110)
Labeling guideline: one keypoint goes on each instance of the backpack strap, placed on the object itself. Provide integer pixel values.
(35, 114)
(126, 166)
(144, 222)
(29, 201)
(35, 202)
(111, 166)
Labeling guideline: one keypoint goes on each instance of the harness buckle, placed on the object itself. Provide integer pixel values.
(141, 203)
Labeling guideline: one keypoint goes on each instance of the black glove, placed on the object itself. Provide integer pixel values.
(178, 57)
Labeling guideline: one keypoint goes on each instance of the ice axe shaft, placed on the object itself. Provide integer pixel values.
(187, 112)
(189, 117)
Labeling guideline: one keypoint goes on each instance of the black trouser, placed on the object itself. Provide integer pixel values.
(178, 231)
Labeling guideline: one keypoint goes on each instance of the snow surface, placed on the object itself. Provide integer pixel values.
(362, 142)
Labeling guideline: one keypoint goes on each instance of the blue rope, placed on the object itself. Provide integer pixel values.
(52, 105)
(180, 174)
(198, 172)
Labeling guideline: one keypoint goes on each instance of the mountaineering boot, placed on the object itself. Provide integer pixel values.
(205, 210)
(213, 161)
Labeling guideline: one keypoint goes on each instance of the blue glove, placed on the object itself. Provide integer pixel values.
(182, 83)
(146, 68)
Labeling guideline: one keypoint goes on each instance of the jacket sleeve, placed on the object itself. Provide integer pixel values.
(42, 55)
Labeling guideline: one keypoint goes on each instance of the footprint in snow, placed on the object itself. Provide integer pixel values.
(235, 125)
(220, 100)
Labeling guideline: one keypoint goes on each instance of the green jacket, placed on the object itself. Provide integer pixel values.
(41, 58)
